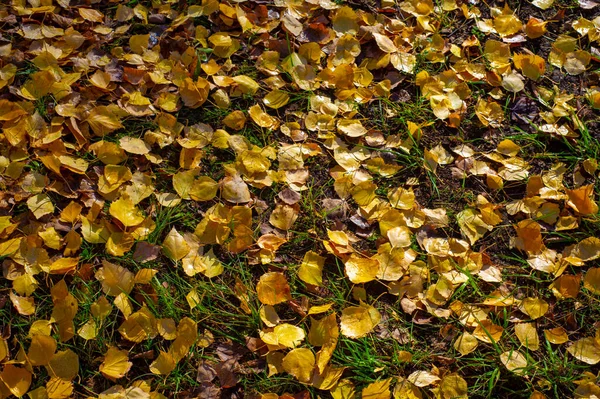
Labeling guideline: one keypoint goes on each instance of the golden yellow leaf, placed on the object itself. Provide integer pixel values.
(269, 316)
(283, 216)
(361, 270)
(284, 334)
(103, 120)
(167, 329)
(91, 15)
(422, 378)
(273, 288)
(328, 379)
(300, 363)
(126, 212)
(134, 145)
(41, 350)
(89, 330)
(3, 349)
(163, 364)
(377, 390)
(24, 305)
(453, 386)
(116, 363)
(123, 303)
(527, 335)
(557, 335)
(343, 390)
(311, 268)
(107, 152)
(101, 308)
(466, 343)
(174, 245)
(580, 199)
(40, 205)
(534, 307)
(17, 379)
(276, 99)
(261, 118)
(57, 388)
(487, 331)
(64, 365)
(115, 279)
(406, 390)
(358, 321)
(514, 361)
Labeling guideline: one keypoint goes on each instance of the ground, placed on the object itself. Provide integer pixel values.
(347, 199)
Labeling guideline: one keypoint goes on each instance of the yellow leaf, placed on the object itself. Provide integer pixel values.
(300, 363)
(246, 84)
(311, 268)
(591, 281)
(64, 365)
(115, 279)
(453, 386)
(377, 390)
(269, 316)
(3, 349)
(587, 249)
(126, 212)
(527, 335)
(17, 379)
(351, 127)
(116, 363)
(41, 350)
(89, 330)
(284, 334)
(63, 265)
(107, 152)
(24, 305)
(318, 309)
(175, 246)
(163, 364)
(404, 389)
(134, 145)
(91, 15)
(361, 270)
(466, 343)
(188, 186)
(139, 326)
(283, 216)
(261, 118)
(103, 120)
(101, 308)
(193, 299)
(57, 388)
(580, 199)
(534, 307)
(167, 329)
(529, 236)
(276, 99)
(235, 190)
(488, 332)
(273, 288)
(358, 321)
(123, 303)
(557, 335)
(40, 205)
(328, 378)
(422, 378)
(586, 349)
(514, 361)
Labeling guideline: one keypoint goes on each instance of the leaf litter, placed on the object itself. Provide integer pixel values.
(365, 199)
